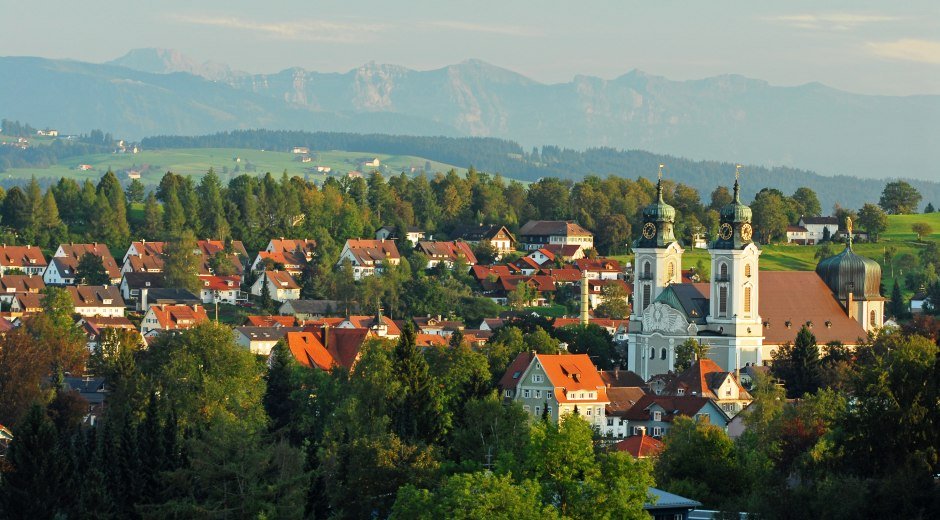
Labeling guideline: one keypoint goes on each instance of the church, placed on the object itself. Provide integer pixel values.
(741, 313)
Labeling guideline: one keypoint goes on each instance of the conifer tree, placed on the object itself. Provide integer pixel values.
(214, 224)
(33, 487)
(53, 230)
(174, 218)
(897, 300)
(181, 263)
(91, 271)
(135, 192)
(16, 210)
(418, 413)
(797, 364)
(277, 396)
(111, 187)
(153, 221)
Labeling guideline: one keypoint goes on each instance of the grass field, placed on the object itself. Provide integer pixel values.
(154, 163)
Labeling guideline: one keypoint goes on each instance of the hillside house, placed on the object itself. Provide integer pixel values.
(812, 230)
(413, 234)
(221, 289)
(162, 318)
(706, 379)
(281, 286)
(368, 257)
(95, 326)
(447, 253)
(600, 268)
(300, 150)
(28, 259)
(25, 304)
(13, 284)
(64, 262)
(536, 234)
(97, 300)
(654, 414)
(260, 340)
(496, 236)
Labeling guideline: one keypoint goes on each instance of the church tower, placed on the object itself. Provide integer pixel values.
(658, 256)
(856, 282)
(735, 283)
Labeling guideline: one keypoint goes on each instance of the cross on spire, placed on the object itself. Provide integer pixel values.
(661, 166)
(737, 172)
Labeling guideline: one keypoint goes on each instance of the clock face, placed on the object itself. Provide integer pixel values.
(746, 232)
(649, 230)
(725, 231)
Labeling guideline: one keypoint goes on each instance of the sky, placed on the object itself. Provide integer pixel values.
(859, 46)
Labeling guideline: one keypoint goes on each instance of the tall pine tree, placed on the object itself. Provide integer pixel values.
(32, 489)
(214, 223)
(418, 414)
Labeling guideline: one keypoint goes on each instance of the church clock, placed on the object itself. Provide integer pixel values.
(746, 232)
(649, 231)
(725, 231)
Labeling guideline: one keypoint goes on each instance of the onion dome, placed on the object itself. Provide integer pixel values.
(659, 211)
(848, 272)
(735, 212)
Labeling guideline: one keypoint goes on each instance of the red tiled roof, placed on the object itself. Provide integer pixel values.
(482, 272)
(172, 317)
(94, 325)
(221, 283)
(341, 347)
(290, 245)
(799, 297)
(282, 279)
(695, 380)
(430, 340)
(21, 283)
(563, 275)
(450, 251)
(572, 373)
(366, 322)
(641, 446)
(368, 251)
(565, 251)
(623, 398)
(75, 252)
(687, 405)
(606, 265)
(270, 321)
(511, 377)
(21, 256)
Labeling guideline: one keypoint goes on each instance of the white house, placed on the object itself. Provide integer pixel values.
(281, 286)
(812, 230)
(28, 259)
(260, 340)
(368, 257)
(97, 300)
(161, 318)
(536, 234)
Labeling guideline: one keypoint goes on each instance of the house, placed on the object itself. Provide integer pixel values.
(413, 234)
(132, 283)
(600, 268)
(26, 303)
(94, 390)
(165, 296)
(541, 257)
(556, 385)
(292, 262)
(447, 253)
(813, 230)
(491, 324)
(85, 167)
(596, 289)
(28, 259)
(622, 400)
(148, 257)
(749, 374)
(435, 325)
(94, 327)
(540, 287)
(380, 326)
(918, 301)
(307, 310)
(797, 235)
(97, 300)
(641, 446)
(706, 379)
(654, 414)
(368, 257)
(161, 318)
(369, 162)
(306, 246)
(12, 284)
(326, 347)
(536, 234)
(49, 132)
(221, 289)
(496, 236)
(566, 252)
(281, 286)
(143, 257)
(260, 340)
(270, 321)
(64, 262)
(667, 506)
(300, 150)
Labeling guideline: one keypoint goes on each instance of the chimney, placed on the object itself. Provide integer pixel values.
(326, 335)
(143, 299)
(585, 316)
(850, 306)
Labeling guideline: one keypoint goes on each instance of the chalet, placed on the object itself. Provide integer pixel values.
(64, 262)
(413, 234)
(541, 256)
(97, 300)
(260, 340)
(706, 379)
(562, 384)
(536, 234)
(447, 253)
(28, 259)
(496, 236)
(368, 257)
(13, 284)
(326, 348)
(162, 318)
(281, 286)
(306, 310)
(654, 414)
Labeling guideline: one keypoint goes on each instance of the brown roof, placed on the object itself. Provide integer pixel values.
(607, 265)
(179, 316)
(96, 296)
(563, 275)
(282, 279)
(145, 263)
(687, 405)
(29, 301)
(291, 260)
(341, 347)
(369, 251)
(74, 252)
(481, 232)
(270, 321)
(641, 446)
(96, 324)
(566, 251)
(799, 297)
(700, 378)
(448, 251)
(622, 378)
(366, 322)
(552, 227)
(511, 377)
(283, 245)
(21, 256)
(623, 398)
(21, 283)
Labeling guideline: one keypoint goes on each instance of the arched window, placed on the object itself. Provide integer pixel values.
(663, 353)
(723, 301)
(747, 300)
(723, 272)
(670, 272)
(652, 352)
(646, 296)
(646, 269)
(747, 270)
(871, 319)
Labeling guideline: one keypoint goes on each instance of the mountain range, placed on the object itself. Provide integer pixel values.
(158, 91)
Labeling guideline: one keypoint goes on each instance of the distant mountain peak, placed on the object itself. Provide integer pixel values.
(168, 61)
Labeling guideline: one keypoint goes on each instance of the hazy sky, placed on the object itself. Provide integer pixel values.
(860, 46)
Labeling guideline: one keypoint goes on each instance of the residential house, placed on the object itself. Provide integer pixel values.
(667, 506)
(270, 321)
(368, 257)
(556, 385)
(706, 379)
(300, 150)
(447, 253)
(541, 289)
(566, 252)
(380, 326)
(596, 289)
(600, 268)
(622, 400)
(413, 234)
(13, 284)
(260, 340)
(96, 300)
(64, 262)
(94, 390)
(307, 310)
(291, 262)
(491, 324)
(797, 235)
(25, 304)
(541, 257)
(435, 325)
(536, 234)
(813, 230)
(149, 257)
(27, 259)
(749, 374)
(326, 347)
(641, 446)
(94, 327)
(496, 236)
(221, 289)
(654, 414)
(162, 318)
(281, 286)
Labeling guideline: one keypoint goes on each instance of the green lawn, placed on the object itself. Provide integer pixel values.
(197, 161)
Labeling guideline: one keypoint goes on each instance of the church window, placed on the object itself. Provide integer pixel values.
(671, 273)
(646, 269)
(663, 353)
(747, 300)
(653, 353)
(646, 295)
(871, 318)
(747, 270)
(723, 301)
(723, 272)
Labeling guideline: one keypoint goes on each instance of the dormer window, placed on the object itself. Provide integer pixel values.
(657, 416)
(680, 391)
